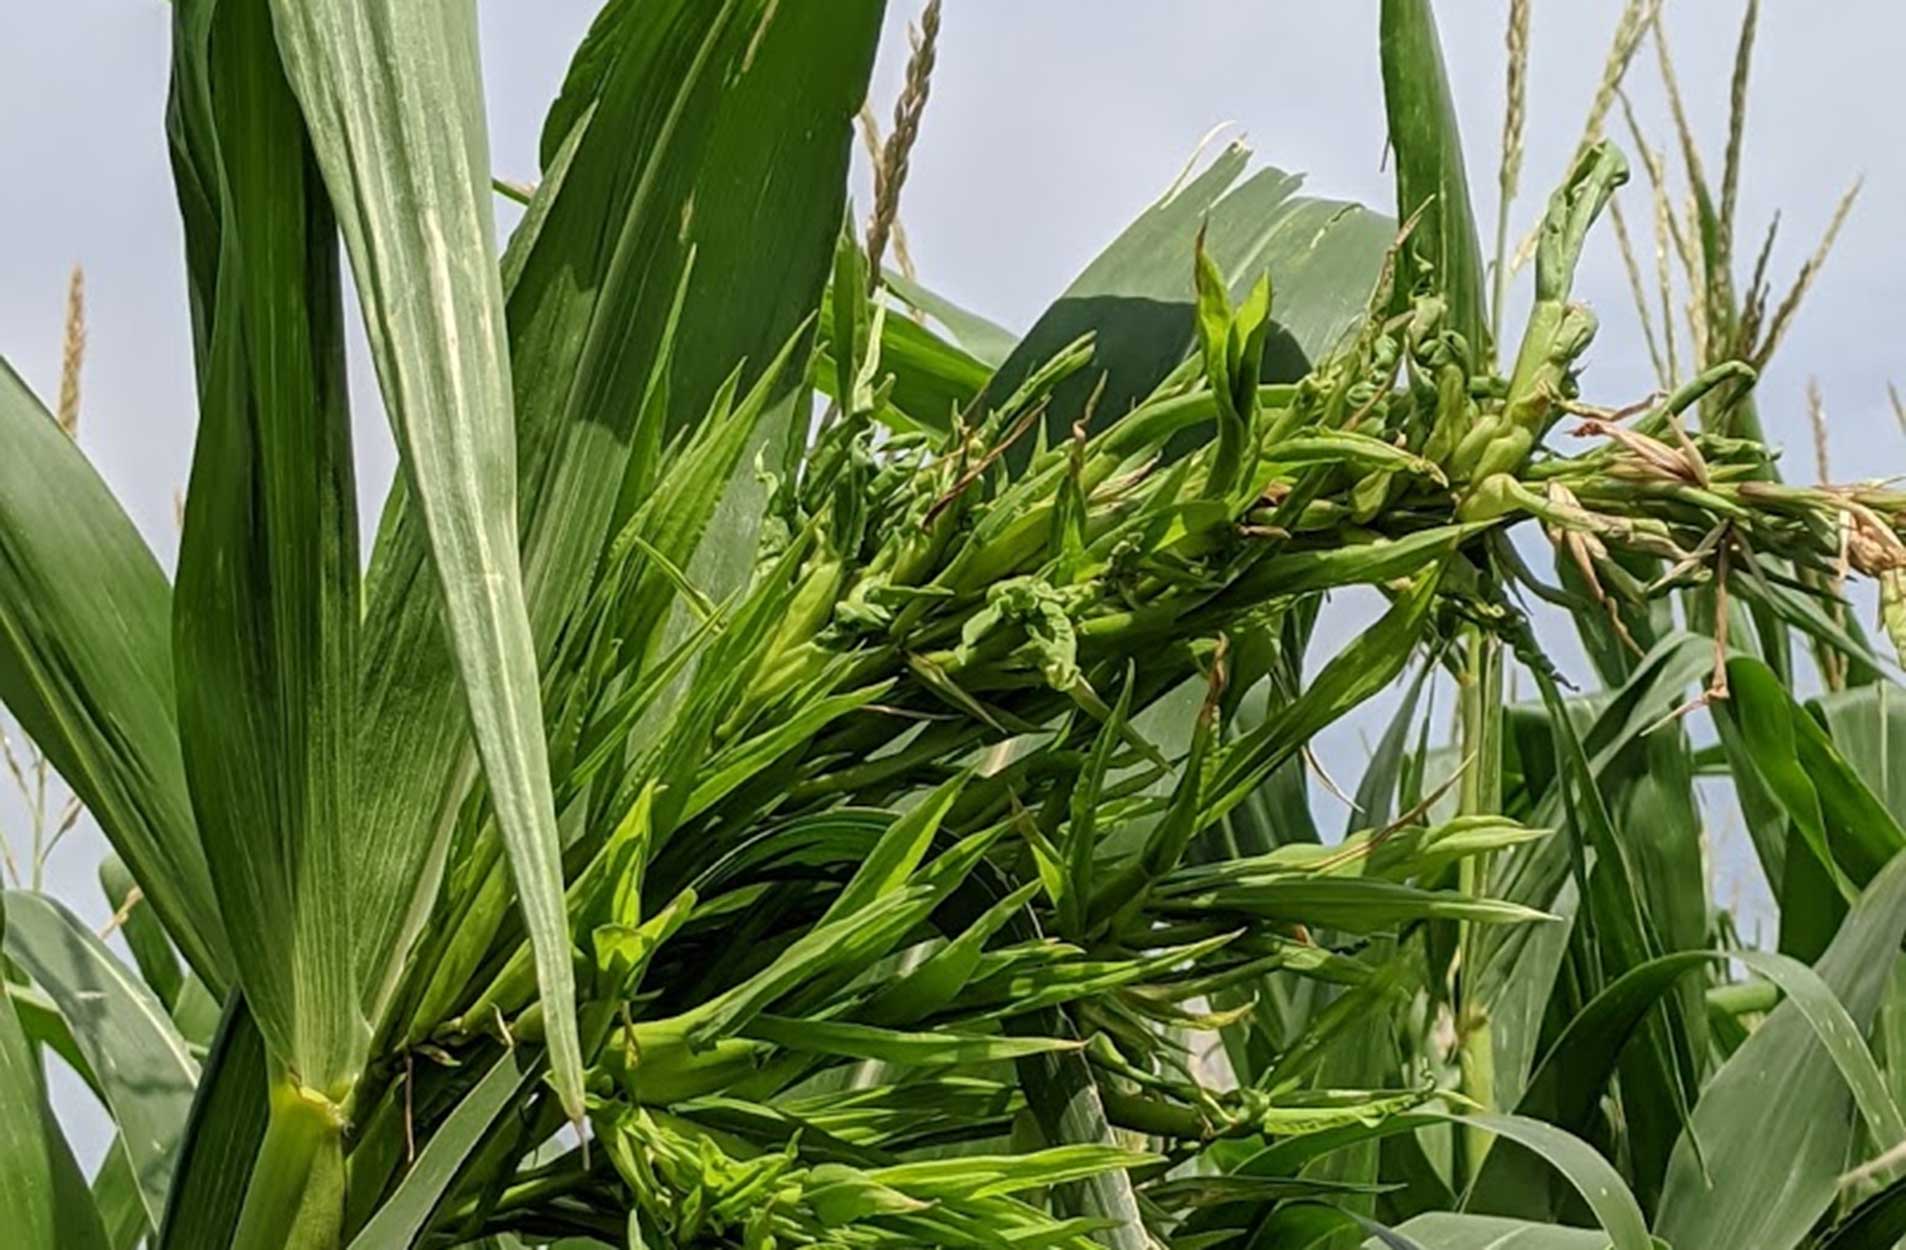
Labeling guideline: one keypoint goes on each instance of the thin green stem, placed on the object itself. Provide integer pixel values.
(1480, 708)
(38, 797)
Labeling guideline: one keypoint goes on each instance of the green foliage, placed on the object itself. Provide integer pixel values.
(792, 774)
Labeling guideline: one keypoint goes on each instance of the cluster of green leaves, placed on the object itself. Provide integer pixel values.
(699, 826)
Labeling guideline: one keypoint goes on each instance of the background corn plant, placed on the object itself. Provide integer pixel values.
(794, 764)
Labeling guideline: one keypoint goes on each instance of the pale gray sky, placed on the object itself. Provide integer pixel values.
(1053, 123)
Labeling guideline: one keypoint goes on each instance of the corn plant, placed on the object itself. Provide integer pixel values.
(801, 766)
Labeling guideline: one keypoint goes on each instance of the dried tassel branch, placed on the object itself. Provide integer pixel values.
(890, 175)
(72, 352)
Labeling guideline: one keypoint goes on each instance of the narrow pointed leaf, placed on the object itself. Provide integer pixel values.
(989, 342)
(406, 1214)
(1136, 296)
(1776, 1123)
(116, 1196)
(86, 666)
(1444, 250)
(898, 853)
(859, 1041)
(1573, 1077)
(223, 1134)
(652, 155)
(42, 1190)
(265, 618)
(151, 950)
(144, 1071)
(1448, 1230)
(1371, 662)
(394, 107)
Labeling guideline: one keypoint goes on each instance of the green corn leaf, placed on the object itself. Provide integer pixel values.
(143, 1069)
(665, 531)
(668, 115)
(746, 86)
(745, 762)
(403, 1217)
(116, 1196)
(223, 1135)
(989, 342)
(42, 1190)
(838, 1194)
(1573, 1076)
(1868, 728)
(850, 320)
(943, 974)
(1171, 837)
(1444, 250)
(1232, 344)
(1447, 1230)
(1070, 980)
(1392, 853)
(1349, 904)
(151, 950)
(675, 519)
(1316, 1225)
(831, 952)
(623, 951)
(897, 854)
(1591, 1176)
(984, 1176)
(842, 835)
(1876, 1224)
(933, 379)
(1081, 838)
(374, 79)
(922, 1050)
(1776, 1121)
(1213, 317)
(1845, 824)
(846, 942)
(1136, 301)
(1371, 662)
(1206, 1191)
(1626, 922)
(1629, 897)
(607, 891)
(41, 1021)
(1781, 604)
(1351, 564)
(1657, 686)
(265, 618)
(86, 667)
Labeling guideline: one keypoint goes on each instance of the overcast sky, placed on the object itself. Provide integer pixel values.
(1052, 124)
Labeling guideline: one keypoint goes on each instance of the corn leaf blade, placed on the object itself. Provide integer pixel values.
(144, 1070)
(1136, 297)
(223, 1135)
(42, 1189)
(1449, 1230)
(1775, 1123)
(651, 160)
(265, 619)
(1445, 249)
(393, 104)
(86, 666)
